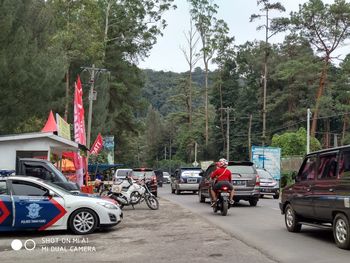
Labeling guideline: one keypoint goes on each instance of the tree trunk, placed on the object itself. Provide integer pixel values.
(327, 142)
(319, 95)
(105, 39)
(66, 106)
(206, 106)
(222, 117)
(345, 125)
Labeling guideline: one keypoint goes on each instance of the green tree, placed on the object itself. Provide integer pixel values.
(31, 68)
(326, 27)
(267, 7)
(203, 13)
(294, 143)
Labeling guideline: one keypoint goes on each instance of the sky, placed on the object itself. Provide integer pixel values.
(166, 54)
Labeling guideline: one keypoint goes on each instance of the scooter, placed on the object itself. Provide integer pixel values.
(222, 202)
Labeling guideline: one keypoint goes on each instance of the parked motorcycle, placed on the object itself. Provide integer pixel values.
(222, 202)
(129, 192)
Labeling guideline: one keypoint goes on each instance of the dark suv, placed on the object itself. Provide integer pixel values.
(245, 181)
(320, 195)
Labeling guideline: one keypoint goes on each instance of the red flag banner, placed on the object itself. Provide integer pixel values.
(98, 145)
(79, 121)
(79, 131)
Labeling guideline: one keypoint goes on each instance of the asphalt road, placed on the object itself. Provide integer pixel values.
(262, 227)
(170, 234)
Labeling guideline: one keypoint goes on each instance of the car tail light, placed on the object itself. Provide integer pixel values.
(257, 182)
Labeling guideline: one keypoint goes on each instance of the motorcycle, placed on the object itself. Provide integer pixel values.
(222, 202)
(129, 192)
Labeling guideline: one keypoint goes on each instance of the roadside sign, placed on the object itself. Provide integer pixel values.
(268, 158)
(195, 163)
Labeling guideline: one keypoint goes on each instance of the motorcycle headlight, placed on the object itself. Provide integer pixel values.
(108, 205)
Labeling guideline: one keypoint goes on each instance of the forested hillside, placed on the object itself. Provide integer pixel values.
(157, 118)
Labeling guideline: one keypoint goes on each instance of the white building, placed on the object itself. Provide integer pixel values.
(32, 145)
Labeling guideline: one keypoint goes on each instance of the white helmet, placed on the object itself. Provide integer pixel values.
(222, 162)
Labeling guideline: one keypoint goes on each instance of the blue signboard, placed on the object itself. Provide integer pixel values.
(268, 158)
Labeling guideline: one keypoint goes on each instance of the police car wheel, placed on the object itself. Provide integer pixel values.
(83, 221)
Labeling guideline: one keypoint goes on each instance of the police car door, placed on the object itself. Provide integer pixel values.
(34, 208)
(6, 218)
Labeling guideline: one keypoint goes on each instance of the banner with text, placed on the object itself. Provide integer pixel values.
(108, 144)
(268, 158)
(63, 128)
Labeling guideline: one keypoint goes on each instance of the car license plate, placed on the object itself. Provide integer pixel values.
(225, 194)
(191, 181)
(240, 183)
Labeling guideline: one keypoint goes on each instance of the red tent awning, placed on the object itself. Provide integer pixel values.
(50, 125)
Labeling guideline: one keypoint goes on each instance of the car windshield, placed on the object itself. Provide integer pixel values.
(58, 174)
(264, 174)
(242, 170)
(60, 189)
(140, 174)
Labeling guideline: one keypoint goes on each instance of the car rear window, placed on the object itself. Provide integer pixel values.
(123, 173)
(242, 170)
(264, 174)
(140, 174)
(190, 173)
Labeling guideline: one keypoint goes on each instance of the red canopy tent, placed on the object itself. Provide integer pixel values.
(50, 125)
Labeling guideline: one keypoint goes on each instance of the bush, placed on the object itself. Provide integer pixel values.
(287, 179)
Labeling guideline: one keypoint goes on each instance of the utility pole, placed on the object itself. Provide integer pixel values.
(227, 110)
(92, 96)
(308, 131)
(249, 137)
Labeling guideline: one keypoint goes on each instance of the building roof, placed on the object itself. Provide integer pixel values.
(38, 135)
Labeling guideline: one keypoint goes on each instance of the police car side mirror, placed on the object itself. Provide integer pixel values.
(51, 193)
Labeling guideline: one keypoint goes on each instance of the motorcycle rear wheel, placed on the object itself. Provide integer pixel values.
(224, 208)
(152, 202)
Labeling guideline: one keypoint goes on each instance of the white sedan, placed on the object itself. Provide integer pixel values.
(31, 203)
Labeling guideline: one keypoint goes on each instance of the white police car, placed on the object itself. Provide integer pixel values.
(31, 203)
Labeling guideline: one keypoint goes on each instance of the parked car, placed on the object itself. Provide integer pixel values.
(245, 180)
(268, 185)
(159, 175)
(44, 170)
(139, 173)
(185, 179)
(166, 178)
(122, 173)
(320, 196)
(28, 203)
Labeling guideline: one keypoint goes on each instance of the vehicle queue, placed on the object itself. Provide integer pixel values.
(319, 197)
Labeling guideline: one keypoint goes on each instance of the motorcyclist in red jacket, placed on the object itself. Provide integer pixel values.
(220, 177)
